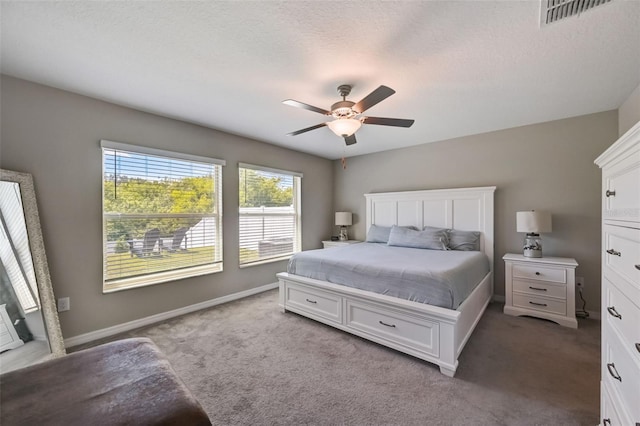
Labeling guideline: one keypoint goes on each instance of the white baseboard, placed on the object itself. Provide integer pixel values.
(142, 322)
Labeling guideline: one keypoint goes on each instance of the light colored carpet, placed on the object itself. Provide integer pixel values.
(250, 364)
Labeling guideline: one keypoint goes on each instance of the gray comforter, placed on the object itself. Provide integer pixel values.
(435, 277)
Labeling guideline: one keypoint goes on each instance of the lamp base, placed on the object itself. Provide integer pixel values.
(532, 246)
(343, 234)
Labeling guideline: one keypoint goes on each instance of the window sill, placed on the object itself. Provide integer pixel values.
(264, 262)
(159, 278)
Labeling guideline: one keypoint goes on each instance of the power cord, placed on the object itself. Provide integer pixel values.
(582, 313)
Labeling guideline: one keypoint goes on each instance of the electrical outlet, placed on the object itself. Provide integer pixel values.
(64, 304)
(580, 282)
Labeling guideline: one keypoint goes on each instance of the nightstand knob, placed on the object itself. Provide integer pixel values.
(537, 273)
(606, 422)
(614, 252)
(610, 193)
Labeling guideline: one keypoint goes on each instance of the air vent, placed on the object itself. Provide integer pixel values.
(556, 10)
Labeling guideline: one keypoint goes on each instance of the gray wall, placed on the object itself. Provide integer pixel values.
(629, 112)
(547, 166)
(55, 136)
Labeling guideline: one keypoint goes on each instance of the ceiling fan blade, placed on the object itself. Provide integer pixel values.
(308, 107)
(397, 122)
(297, 132)
(350, 140)
(378, 95)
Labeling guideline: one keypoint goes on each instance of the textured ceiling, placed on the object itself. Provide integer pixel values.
(458, 68)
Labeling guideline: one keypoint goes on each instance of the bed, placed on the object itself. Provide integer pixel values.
(434, 326)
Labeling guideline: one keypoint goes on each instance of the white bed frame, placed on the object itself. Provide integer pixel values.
(431, 333)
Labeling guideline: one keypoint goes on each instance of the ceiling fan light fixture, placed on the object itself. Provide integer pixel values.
(344, 126)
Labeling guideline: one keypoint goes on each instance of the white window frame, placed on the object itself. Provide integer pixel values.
(170, 275)
(297, 215)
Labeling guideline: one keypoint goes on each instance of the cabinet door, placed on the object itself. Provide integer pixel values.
(621, 190)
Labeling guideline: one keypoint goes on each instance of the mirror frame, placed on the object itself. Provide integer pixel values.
(39, 258)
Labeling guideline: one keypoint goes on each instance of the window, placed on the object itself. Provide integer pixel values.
(162, 216)
(269, 214)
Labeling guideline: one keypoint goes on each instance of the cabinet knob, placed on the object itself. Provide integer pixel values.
(311, 301)
(638, 347)
(606, 422)
(614, 252)
(612, 311)
(610, 193)
(537, 273)
(637, 267)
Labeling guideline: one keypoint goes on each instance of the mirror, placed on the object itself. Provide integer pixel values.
(29, 326)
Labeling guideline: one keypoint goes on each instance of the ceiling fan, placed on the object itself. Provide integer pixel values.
(347, 115)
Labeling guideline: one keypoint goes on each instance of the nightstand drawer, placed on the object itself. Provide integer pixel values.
(317, 302)
(542, 304)
(536, 288)
(540, 273)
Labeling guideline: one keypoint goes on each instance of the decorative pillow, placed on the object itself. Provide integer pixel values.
(380, 234)
(403, 237)
(463, 240)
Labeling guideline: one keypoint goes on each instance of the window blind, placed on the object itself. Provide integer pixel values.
(162, 216)
(269, 213)
(15, 252)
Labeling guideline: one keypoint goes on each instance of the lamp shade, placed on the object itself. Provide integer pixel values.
(533, 222)
(343, 218)
(344, 126)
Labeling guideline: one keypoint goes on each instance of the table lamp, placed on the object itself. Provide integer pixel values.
(533, 223)
(343, 219)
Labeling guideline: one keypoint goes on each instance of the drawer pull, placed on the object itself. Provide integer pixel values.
(537, 288)
(613, 312)
(637, 267)
(311, 301)
(538, 304)
(388, 325)
(610, 193)
(614, 253)
(638, 347)
(537, 273)
(606, 422)
(614, 373)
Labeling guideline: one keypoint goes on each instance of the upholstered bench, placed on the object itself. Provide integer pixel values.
(127, 382)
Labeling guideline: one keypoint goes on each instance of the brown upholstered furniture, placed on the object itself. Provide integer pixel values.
(127, 382)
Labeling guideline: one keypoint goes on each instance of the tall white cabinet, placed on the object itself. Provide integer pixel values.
(620, 375)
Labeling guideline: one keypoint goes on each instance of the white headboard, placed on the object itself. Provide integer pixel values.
(468, 209)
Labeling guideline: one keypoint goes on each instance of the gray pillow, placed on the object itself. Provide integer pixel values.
(380, 234)
(463, 240)
(403, 237)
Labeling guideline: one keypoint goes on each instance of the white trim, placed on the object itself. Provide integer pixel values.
(159, 152)
(268, 169)
(142, 322)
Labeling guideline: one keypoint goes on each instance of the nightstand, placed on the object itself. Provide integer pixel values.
(328, 244)
(541, 287)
